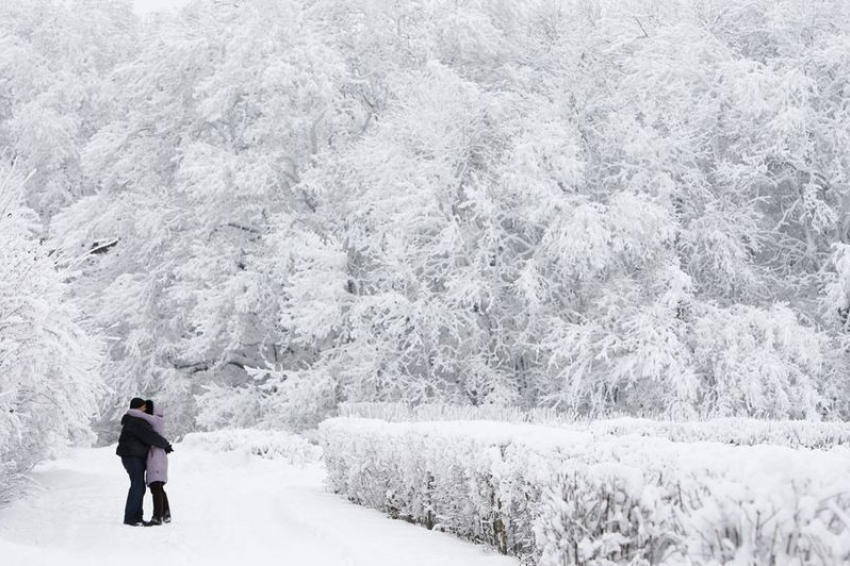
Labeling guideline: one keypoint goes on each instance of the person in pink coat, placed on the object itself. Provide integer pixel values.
(156, 475)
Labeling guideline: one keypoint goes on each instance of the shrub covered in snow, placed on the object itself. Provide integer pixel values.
(556, 497)
(406, 412)
(273, 445)
(730, 430)
(735, 431)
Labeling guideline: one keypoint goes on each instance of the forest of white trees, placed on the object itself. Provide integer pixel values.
(253, 210)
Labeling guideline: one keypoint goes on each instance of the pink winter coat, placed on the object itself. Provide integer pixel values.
(157, 466)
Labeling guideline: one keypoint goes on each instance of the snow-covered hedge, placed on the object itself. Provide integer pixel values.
(272, 445)
(406, 412)
(556, 497)
(736, 431)
(731, 430)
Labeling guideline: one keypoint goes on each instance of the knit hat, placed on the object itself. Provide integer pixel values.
(136, 402)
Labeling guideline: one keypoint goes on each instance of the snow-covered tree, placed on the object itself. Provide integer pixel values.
(220, 112)
(545, 203)
(55, 58)
(50, 365)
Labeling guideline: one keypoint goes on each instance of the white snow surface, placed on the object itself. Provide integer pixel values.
(148, 6)
(230, 508)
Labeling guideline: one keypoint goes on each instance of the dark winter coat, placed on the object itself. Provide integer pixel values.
(137, 436)
(157, 469)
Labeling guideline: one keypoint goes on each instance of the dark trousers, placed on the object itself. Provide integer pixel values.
(161, 509)
(135, 497)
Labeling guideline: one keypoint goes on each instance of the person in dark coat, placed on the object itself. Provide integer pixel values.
(156, 473)
(137, 436)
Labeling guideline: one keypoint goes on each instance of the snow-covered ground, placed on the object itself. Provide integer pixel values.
(148, 6)
(229, 509)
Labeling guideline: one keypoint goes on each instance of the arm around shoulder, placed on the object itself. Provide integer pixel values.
(149, 436)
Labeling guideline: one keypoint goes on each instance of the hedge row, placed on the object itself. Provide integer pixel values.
(554, 497)
(271, 445)
(736, 431)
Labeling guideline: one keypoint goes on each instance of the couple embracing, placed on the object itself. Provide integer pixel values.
(143, 452)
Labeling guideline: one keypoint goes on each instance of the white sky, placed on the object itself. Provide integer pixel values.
(147, 6)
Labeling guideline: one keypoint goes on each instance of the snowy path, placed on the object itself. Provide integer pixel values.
(228, 510)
